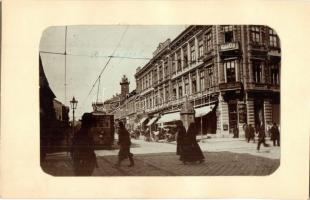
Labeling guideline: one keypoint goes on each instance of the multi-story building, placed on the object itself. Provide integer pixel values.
(230, 73)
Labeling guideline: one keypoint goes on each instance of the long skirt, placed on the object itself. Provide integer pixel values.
(191, 153)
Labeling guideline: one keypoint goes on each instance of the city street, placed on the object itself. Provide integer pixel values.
(223, 157)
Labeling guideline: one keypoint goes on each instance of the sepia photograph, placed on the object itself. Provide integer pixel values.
(146, 100)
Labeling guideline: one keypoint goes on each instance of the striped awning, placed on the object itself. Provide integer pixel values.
(152, 121)
(169, 117)
(202, 111)
(143, 120)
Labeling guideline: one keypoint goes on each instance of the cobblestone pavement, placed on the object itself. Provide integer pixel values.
(167, 164)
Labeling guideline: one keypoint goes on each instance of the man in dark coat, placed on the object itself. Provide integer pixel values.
(124, 145)
(190, 150)
(82, 152)
(246, 132)
(251, 133)
(275, 135)
(261, 136)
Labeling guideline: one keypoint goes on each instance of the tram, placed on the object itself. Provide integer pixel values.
(102, 129)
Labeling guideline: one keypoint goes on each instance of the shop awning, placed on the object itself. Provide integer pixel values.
(169, 117)
(143, 120)
(152, 121)
(202, 111)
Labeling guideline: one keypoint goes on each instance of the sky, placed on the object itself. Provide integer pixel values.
(88, 48)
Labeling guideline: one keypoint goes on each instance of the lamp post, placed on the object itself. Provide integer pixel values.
(73, 104)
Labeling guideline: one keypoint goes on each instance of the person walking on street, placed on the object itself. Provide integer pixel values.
(251, 133)
(275, 135)
(124, 145)
(189, 148)
(82, 152)
(246, 132)
(261, 136)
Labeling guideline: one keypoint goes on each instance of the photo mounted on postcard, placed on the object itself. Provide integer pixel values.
(194, 100)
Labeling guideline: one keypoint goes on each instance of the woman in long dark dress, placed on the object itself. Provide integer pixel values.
(180, 134)
(83, 155)
(124, 145)
(189, 148)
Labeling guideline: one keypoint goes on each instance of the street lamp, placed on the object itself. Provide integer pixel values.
(73, 104)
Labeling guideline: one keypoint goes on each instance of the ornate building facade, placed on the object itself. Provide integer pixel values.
(230, 73)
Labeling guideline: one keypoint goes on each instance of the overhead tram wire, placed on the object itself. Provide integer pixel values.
(103, 69)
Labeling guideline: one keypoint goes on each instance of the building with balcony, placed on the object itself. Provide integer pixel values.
(230, 73)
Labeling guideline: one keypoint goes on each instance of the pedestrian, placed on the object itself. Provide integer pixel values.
(82, 152)
(275, 134)
(236, 132)
(246, 132)
(180, 134)
(190, 150)
(124, 145)
(251, 133)
(261, 136)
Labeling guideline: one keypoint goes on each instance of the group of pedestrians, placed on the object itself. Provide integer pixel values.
(274, 134)
(83, 148)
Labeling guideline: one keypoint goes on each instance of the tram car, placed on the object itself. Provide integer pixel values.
(102, 130)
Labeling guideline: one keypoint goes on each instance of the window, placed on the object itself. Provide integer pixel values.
(179, 67)
(173, 67)
(273, 38)
(202, 80)
(174, 90)
(185, 57)
(180, 92)
(160, 71)
(166, 69)
(200, 47)
(229, 66)
(211, 77)
(257, 71)
(194, 83)
(209, 41)
(167, 93)
(155, 76)
(193, 53)
(275, 78)
(186, 88)
(180, 89)
(228, 34)
(255, 34)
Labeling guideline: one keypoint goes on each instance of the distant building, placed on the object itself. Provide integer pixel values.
(61, 111)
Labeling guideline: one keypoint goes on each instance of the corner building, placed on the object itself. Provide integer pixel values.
(230, 73)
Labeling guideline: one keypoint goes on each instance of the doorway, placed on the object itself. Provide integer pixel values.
(233, 116)
(258, 112)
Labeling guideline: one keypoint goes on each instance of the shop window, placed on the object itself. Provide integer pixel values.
(230, 71)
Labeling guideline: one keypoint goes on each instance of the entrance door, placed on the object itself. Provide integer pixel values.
(258, 112)
(233, 117)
